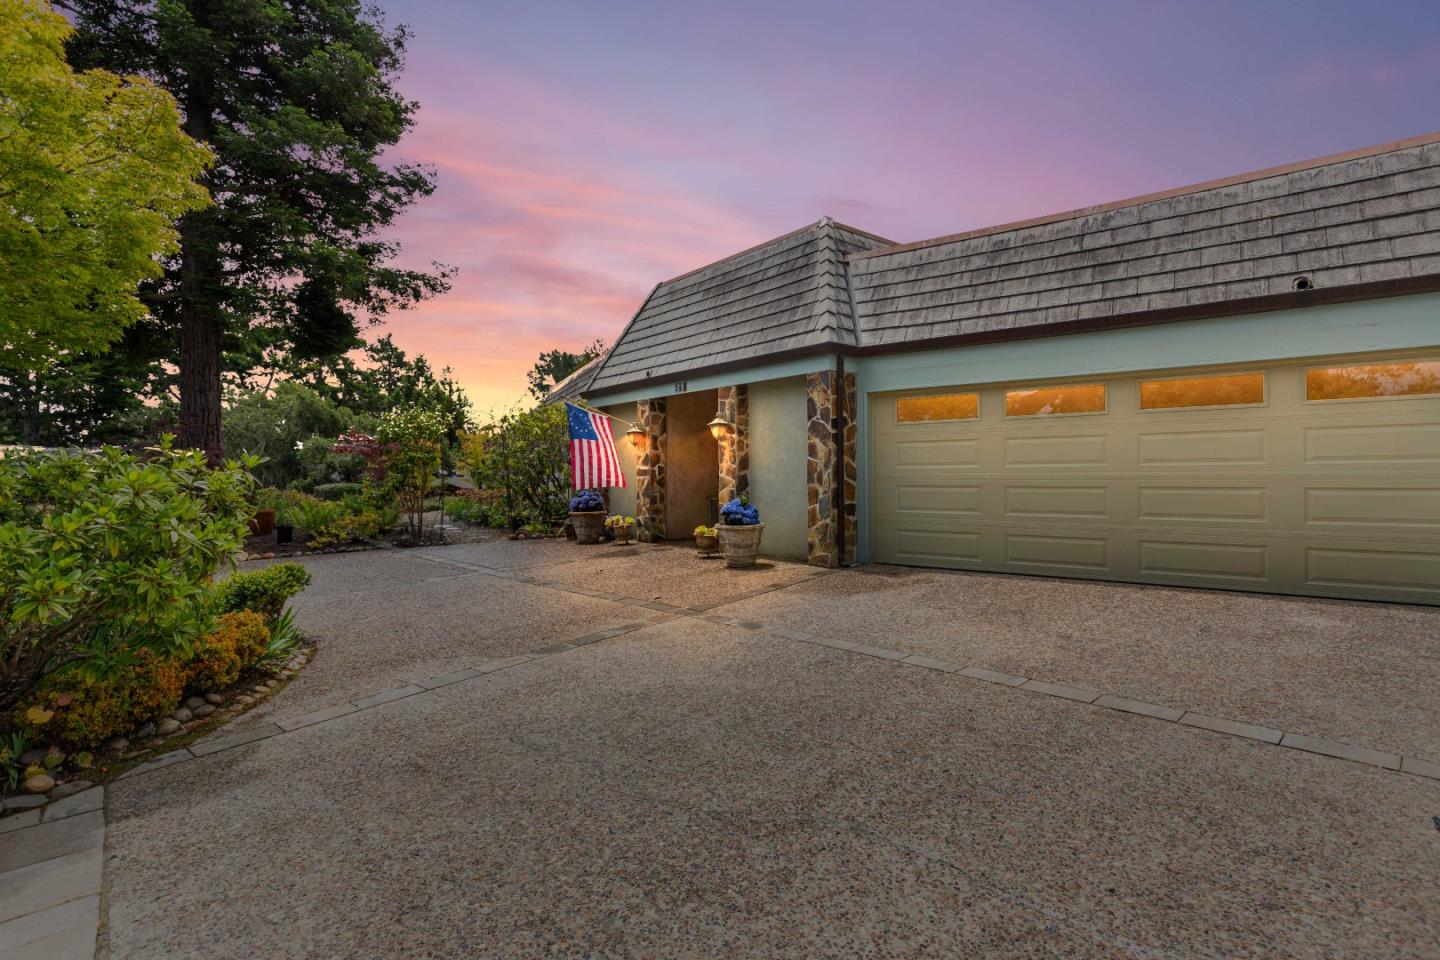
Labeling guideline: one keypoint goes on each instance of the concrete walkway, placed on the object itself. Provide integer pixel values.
(51, 862)
(535, 749)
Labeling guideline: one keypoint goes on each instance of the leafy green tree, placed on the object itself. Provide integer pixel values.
(412, 442)
(383, 379)
(281, 426)
(297, 101)
(79, 399)
(555, 365)
(527, 457)
(94, 172)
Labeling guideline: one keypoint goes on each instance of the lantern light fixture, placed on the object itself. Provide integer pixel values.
(719, 427)
(635, 435)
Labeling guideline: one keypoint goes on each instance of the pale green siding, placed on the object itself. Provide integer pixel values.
(777, 464)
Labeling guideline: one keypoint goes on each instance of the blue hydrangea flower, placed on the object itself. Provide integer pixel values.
(740, 512)
(586, 501)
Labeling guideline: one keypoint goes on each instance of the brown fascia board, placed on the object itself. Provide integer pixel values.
(1290, 300)
(1230, 181)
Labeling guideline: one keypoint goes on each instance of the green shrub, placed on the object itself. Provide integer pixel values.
(12, 744)
(527, 455)
(284, 638)
(412, 442)
(484, 510)
(364, 523)
(82, 710)
(263, 591)
(239, 641)
(107, 538)
(338, 491)
(312, 514)
(156, 685)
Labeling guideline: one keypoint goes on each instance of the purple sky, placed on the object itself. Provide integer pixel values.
(588, 150)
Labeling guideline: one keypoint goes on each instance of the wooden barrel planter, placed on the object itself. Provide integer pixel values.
(589, 526)
(739, 545)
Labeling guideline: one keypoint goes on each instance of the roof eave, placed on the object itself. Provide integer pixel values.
(1268, 303)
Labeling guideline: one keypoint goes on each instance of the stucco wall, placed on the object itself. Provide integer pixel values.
(777, 464)
(622, 501)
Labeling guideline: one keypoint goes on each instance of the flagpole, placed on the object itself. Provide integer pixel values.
(586, 407)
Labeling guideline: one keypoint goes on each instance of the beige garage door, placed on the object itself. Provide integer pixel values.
(1315, 478)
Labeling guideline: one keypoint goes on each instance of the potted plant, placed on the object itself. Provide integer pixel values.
(263, 522)
(587, 516)
(622, 527)
(739, 532)
(705, 541)
(284, 524)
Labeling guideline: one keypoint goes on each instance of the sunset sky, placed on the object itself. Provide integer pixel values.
(587, 150)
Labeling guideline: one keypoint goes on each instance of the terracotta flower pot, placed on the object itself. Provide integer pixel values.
(589, 526)
(707, 544)
(262, 523)
(623, 534)
(739, 545)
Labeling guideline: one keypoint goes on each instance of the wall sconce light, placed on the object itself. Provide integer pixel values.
(719, 427)
(635, 435)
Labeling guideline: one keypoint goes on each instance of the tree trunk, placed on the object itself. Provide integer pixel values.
(199, 313)
(199, 352)
(30, 405)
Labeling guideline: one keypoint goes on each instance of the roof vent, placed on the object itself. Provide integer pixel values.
(1303, 283)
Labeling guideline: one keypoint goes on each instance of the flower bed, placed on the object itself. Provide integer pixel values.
(111, 619)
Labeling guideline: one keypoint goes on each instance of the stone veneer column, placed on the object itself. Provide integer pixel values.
(820, 462)
(820, 466)
(852, 472)
(733, 406)
(650, 472)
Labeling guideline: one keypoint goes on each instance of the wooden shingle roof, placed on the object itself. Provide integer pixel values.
(783, 296)
(1350, 226)
(1372, 217)
(573, 386)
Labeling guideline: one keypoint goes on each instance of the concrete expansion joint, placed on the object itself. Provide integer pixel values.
(219, 744)
(1117, 702)
(222, 743)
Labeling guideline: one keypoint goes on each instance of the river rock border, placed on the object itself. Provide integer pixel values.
(197, 715)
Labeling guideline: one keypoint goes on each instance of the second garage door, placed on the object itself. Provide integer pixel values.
(1318, 478)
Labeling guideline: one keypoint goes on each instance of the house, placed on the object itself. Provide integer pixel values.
(1234, 384)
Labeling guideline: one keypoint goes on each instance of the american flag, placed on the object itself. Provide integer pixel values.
(593, 460)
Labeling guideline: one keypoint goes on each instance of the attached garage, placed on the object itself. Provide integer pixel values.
(1318, 477)
(1230, 385)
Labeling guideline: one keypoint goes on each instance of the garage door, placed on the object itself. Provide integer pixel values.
(1317, 478)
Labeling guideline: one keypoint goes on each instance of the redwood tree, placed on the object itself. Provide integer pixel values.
(297, 100)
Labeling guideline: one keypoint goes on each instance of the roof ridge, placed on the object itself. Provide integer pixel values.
(1332, 159)
(825, 255)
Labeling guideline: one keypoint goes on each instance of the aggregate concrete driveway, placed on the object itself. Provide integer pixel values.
(694, 787)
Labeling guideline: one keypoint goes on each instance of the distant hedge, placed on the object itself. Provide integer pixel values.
(337, 491)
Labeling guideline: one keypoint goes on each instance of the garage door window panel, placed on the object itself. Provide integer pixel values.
(932, 409)
(1202, 392)
(1055, 401)
(1374, 381)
